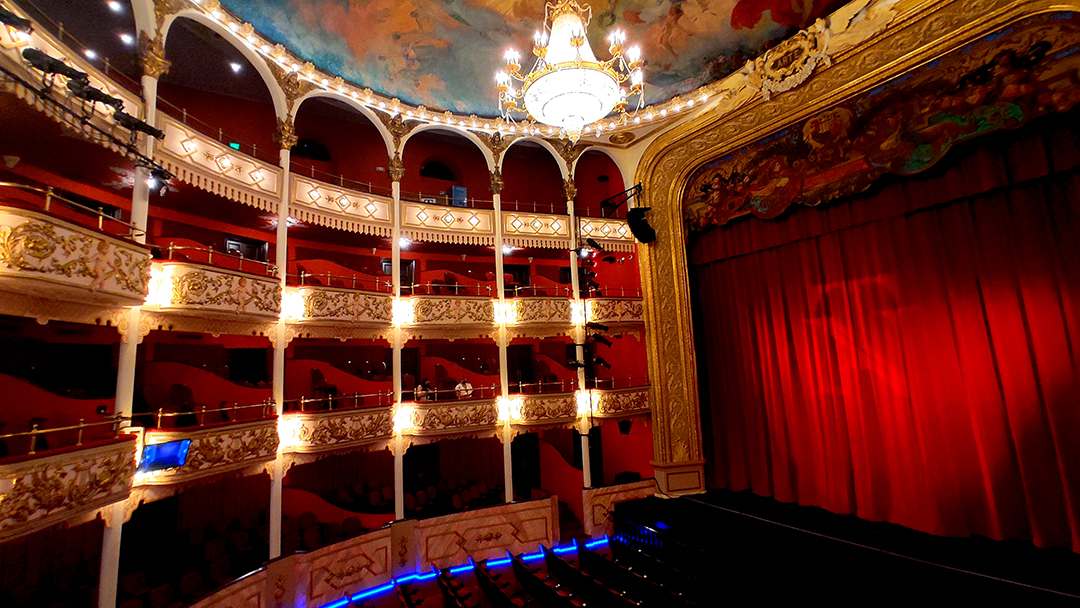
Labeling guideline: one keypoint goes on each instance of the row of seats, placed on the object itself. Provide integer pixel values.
(306, 533)
(443, 498)
(564, 577)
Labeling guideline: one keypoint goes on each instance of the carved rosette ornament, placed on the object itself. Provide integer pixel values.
(397, 167)
(286, 133)
(496, 181)
(152, 56)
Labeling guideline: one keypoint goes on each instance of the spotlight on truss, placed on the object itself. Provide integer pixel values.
(52, 65)
(83, 90)
(133, 124)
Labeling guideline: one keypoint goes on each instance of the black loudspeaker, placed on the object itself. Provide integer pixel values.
(624, 426)
(635, 218)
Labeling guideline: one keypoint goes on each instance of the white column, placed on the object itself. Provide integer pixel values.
(281, 256)
(395, 273)
(504, 378)
(579, 335)
(129, 345)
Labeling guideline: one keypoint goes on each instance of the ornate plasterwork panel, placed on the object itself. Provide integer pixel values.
(615, 310)
(464, 226)
(308, 433)
(337, 207)
(333, 304)
(179, 286)
(45, 257)
(536, 230)
(205, 163)
(547, 409)
(613, 234)
(215, 449)
(39, 492)
(454, 418)
(599, 504)
(344, 568)
(435, 310)
(617, 403)
(484, 533)
(247, 592)
(548, 311)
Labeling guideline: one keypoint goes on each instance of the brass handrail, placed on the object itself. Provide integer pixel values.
(50, 196)
(35, 430)
(270, 269)
(160, 414)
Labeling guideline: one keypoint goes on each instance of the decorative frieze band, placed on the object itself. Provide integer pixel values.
(314, 432)
(215, 450)
(179, 286)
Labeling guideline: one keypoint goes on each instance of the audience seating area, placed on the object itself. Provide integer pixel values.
(443, 498)
(199, 561)
(598, 573)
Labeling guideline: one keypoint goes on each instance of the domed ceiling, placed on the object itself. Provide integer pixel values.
(444, 53)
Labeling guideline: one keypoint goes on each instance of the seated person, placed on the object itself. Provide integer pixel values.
(463, 389)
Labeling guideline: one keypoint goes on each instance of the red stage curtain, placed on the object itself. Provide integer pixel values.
(910, 354)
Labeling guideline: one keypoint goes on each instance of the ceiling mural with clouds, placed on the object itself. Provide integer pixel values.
(444, 53)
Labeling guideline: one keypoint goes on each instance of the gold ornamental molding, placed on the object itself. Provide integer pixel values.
(215, 450)
(334, 304)
(546, 410)
(621, 403)
(454, 419)
(46, 257)
(207, 164)
(615, 310)
(38, 492)
(486, 533)
(452, 310)
(867, 44)
(179, 287)
(336, 430)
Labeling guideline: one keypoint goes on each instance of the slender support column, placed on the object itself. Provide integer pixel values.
(579, 335)
(504, 341)
(397, 171)
(287, 138)
(129, 345)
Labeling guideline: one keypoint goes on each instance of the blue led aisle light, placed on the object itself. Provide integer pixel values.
(597, 543)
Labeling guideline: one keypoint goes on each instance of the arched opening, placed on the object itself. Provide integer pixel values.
(355, 154)
(462, 160)
(533, 180)
(311, 150)
(597, 178)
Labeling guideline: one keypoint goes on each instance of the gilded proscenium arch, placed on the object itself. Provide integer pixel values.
(919, 33)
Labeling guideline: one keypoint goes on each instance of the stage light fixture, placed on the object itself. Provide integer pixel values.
(589, 274)
(583, 252)
(576, 364)
(15, 22)
(133, 124)
(609, 259)
(596, 326)
(601, 339)
(595, 245)
(51, 65)
(159, 181)
(639, 225)
(601, 361)
(84, 91)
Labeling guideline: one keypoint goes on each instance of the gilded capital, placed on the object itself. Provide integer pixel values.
(286, 133)
(496, 181)
(397, 127)
(397, 168)
(152, 55)
(569, 189)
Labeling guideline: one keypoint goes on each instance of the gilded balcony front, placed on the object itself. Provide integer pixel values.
(42, 256)
(214, 449)
(39, 491)
(334, 430)
(184, 287)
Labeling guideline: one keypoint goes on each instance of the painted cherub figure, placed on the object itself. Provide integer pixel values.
(101, 265)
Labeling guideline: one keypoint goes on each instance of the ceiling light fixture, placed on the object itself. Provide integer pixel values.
(236, 67)
(568, 87)
(127, 39)
(115, 6)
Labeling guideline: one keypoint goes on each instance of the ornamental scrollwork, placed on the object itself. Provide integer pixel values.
(231, 447)
(548, 408)
(97, 263)
(345, 428)
(357, 307)
(791, 62)
(542, 310)
(622, 402)
(152, 55)
(236, 293)
(604, 310)
(57, 486)
(450, 417)
(454, 311)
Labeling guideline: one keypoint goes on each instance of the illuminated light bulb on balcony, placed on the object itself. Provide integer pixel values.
(288, 428)
(325, 82)
(160, 288)
(266, 49)
(250, 39)
(637, 120)
(509, 408)
(402, 312)
(403, 419)
(382, 105)
(90, 54)
(216, 14)
(292, 305)
(404, 242)
(663, 112)
(234, 26)
(584, 400)
(127, 39)
(689, 103)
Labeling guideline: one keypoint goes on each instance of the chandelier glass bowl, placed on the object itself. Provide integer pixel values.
(568, 87)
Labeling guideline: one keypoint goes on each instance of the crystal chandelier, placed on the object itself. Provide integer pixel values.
(569, 87)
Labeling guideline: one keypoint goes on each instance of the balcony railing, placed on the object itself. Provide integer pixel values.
(47, 440)
(220, 259)
(339, 402)
(49, 201)
(326, 279)
(214, 449)
(191, 287)
(167, 419)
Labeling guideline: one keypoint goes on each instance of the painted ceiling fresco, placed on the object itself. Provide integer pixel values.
(444, 53)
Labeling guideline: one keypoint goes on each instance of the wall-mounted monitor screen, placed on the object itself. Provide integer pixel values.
(160, 456)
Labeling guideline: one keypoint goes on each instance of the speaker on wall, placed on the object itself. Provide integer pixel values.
(639, 226)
